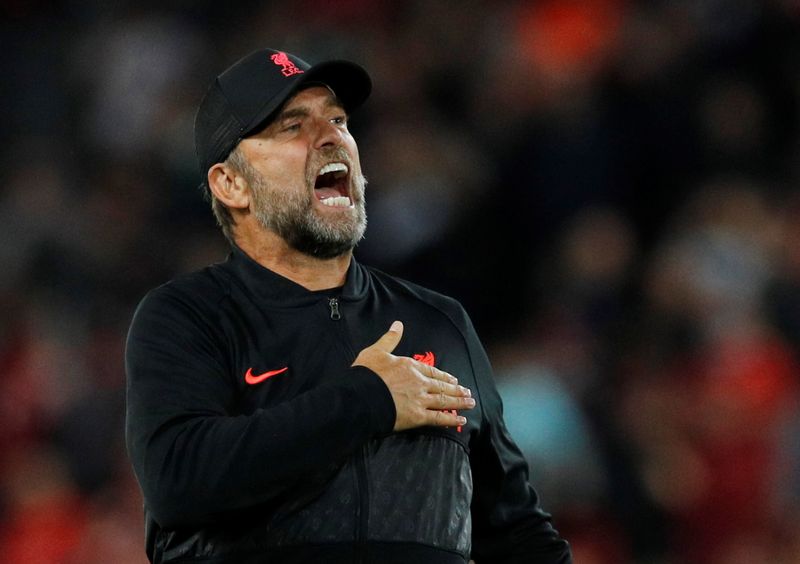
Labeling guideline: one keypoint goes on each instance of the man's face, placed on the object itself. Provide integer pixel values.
(306, 178)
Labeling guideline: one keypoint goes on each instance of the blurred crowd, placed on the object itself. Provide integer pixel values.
(611, 188)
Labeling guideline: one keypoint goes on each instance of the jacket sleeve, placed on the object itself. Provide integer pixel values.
(193, 460)
(509, 526)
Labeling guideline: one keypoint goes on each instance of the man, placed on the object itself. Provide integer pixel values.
(292, 405)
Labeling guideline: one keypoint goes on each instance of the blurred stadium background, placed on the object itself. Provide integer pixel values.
(611, 187)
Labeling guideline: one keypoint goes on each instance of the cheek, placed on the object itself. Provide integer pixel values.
(351, 144)
(352, 148)
(285, 172)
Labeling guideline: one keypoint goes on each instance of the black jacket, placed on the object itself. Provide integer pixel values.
(254, 440)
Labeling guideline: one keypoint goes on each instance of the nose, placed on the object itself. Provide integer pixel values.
(327, 134)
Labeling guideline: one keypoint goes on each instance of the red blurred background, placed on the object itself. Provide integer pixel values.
(610, 187)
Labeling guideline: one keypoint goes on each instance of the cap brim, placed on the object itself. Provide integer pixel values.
(349, 81)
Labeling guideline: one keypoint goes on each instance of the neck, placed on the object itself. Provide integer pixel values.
(272, 252)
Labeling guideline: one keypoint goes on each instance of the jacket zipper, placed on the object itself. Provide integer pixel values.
(333, 303)
(362, 491)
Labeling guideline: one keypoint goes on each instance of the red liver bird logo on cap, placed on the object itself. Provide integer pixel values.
(288, 67)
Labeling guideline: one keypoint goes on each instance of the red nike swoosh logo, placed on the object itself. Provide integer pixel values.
(251, 378)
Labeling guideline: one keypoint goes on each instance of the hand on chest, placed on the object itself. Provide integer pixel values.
(290, 353)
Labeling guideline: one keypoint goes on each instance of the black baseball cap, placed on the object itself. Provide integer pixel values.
(243, 98)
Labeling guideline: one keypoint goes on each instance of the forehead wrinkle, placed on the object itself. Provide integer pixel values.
(300, 111)
(331, 100)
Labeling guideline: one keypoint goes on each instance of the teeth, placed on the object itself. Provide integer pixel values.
(333, 167)
(337, 202)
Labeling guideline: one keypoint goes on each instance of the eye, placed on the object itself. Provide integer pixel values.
(339, 120)
(292, 126)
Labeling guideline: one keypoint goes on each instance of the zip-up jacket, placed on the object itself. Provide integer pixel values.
(254, 440)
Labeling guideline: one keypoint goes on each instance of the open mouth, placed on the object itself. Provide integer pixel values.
(331, 186)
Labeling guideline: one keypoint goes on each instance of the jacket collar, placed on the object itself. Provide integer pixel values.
(271, 286)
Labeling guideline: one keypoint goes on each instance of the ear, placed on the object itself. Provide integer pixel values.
(228, 186)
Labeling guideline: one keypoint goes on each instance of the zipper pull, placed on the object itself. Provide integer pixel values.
(334, 305)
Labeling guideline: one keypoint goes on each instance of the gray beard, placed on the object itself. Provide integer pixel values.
(291, 215)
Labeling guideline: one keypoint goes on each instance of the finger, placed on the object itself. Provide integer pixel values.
(390, 339)
(440, 387)
(435, 373)
(445, 419)
(443, 401)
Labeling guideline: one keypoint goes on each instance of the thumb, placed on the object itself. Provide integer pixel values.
(389, 340)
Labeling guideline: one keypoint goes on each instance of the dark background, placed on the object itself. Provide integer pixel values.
(610, 187)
